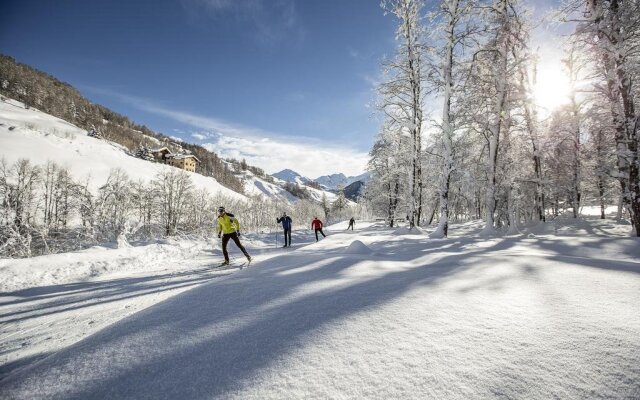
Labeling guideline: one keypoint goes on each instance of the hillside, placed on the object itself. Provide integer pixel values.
(38, 89)
(39, 137)
(354, 190)
(43, 92)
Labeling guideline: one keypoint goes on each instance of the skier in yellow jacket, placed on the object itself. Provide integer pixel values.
(229, 228)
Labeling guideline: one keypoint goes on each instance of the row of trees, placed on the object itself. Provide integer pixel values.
(493, 151)
(43, 209)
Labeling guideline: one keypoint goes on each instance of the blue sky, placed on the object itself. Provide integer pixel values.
(286, 84)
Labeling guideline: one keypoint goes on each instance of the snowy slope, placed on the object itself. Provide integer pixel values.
(40, 137)
(335, 180)
(255, 186)
(288, 175)
(316, 194)
(371, 314)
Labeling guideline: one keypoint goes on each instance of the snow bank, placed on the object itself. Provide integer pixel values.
(94, 263)
(404, 230)
(357, 247)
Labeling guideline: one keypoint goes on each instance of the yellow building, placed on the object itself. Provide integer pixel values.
(187, 162)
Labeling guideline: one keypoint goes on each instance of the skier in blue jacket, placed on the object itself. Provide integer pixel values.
(286, 225)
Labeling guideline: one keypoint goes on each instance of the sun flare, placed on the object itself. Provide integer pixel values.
(552, 88)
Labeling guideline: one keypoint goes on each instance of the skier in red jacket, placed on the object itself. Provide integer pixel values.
(316, 225)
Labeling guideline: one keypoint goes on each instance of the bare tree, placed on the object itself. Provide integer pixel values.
(402, 98)
(173, 188)
(453, 26)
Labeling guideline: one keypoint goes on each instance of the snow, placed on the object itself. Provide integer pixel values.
(405, 230)
(41, 137)
(288, 175)
(357, 247)
(255, 186)
(550, 316)
(50, 302)
(333, 181)
(316, 195)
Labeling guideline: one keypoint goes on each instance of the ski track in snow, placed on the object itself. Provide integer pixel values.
(466, 317)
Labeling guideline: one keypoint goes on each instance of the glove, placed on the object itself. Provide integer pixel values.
(218, 234)
(238, 233)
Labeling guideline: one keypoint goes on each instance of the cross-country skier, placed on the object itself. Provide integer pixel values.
(229, 228)
(352, 223)
(286, 225)
(316, 224)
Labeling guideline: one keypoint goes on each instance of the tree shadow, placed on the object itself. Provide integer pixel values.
(15, 365)
(212, 340)
(67, 297)
(582, 253)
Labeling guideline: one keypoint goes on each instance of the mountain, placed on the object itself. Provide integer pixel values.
(335, 180)
(288, 175)
(354, 190)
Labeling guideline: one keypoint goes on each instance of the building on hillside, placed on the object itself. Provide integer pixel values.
(187, 162)
(161, 154)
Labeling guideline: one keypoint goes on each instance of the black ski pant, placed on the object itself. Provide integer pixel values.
(319, 230)
(350, 226)
(287, 234)
(233, 236)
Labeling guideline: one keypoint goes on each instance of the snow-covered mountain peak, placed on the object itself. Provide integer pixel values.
(333, 181)
(289, 175)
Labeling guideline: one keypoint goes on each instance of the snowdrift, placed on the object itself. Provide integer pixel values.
(404, 230)
(357, 247)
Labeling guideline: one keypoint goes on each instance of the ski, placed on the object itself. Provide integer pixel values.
(232, 264)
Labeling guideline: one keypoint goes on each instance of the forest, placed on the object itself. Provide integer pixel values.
(466, 135)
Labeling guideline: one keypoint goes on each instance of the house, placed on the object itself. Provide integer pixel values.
(187, 162)
(161, 154)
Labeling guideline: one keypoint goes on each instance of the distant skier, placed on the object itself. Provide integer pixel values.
(316, 224)
(352, 223)
(229, 228)
(286, 226)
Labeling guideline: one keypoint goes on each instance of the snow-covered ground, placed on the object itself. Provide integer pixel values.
(40, 137)
(41, 297)
(373, 313)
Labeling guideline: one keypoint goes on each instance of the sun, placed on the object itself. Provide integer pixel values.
(552, 88)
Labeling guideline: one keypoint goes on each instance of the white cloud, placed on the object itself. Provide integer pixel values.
(309, 159)
(199, 136)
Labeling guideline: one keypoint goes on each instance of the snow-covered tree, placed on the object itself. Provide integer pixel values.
(401, 94)
(452, 27)
(492, 83)
(144, 153)
(388, 165)
(610, 31)
(173, 188)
